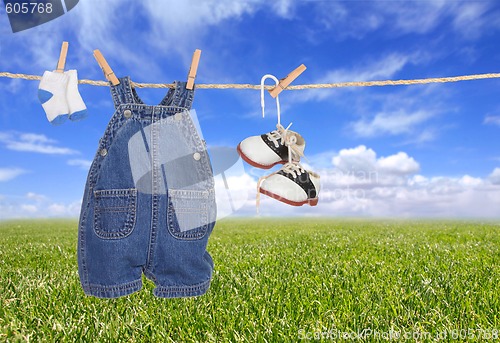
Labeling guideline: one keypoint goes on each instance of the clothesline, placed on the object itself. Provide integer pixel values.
(297, 87)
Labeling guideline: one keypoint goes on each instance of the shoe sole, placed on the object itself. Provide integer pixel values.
(310, 202)
(255, 164)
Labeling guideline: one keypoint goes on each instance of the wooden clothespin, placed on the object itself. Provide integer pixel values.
(62, 58)
(193, 69)
(106, 69)
(287, 80)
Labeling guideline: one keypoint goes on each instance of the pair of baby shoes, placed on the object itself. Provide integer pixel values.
(292, 184)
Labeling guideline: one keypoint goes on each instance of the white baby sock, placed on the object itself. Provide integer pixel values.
(52, 95)
(77, 108)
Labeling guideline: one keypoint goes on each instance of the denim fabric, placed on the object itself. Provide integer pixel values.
(149, 201)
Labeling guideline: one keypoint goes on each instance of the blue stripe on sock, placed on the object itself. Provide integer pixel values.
(78, 115)
(59, 119)
(44, 95)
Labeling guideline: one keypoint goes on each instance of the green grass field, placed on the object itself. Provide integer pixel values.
(275, 280)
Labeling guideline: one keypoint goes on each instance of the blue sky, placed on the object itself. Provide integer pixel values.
(410, 151)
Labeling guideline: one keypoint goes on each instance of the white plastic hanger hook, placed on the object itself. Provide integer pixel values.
(264, 78)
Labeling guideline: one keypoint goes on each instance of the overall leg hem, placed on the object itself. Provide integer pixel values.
(182, 291)
(115, 291)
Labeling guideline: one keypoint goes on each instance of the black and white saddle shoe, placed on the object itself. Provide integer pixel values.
(270, 149)
(292, 184)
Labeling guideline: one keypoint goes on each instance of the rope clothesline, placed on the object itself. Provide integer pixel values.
(298, 87)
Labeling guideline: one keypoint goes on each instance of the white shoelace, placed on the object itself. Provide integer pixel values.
(293, 168)
(284, 137)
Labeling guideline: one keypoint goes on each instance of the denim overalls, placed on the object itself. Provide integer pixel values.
(149, 202)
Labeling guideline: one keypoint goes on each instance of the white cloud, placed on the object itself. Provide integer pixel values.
(57, 209)
(36, 197)
(358, 183)
(366, 185)
(400, 163)
(374, 68)
(34, 205)
(83, 164)
(411, 113)
(172, 28)
(175, 26)
(13, 86)
(382, 68)
(360, 167)
(182, 24)
(471, 18)
(348, 20)
(189, 15)
(495, 176)
(31, 142)
(410, 196)
(490, 119)
(88, 16)
(29, 209)
(357, 159)
(7, 174)
(468, 180)
(40, 50)
(393, 123)
(94, 16)
(425, 135)
(421, 17)
(283, 8)
(169, 29)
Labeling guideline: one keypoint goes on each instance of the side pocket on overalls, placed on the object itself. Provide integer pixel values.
(189, 213)
(114, 212)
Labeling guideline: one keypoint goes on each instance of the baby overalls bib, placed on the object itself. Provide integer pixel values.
(149, 201)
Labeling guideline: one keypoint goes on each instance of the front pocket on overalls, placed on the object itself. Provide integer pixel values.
(114, 212)
(188, 213)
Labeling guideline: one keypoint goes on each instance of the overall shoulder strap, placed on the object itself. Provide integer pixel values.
(122, 93)
(179, 96)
